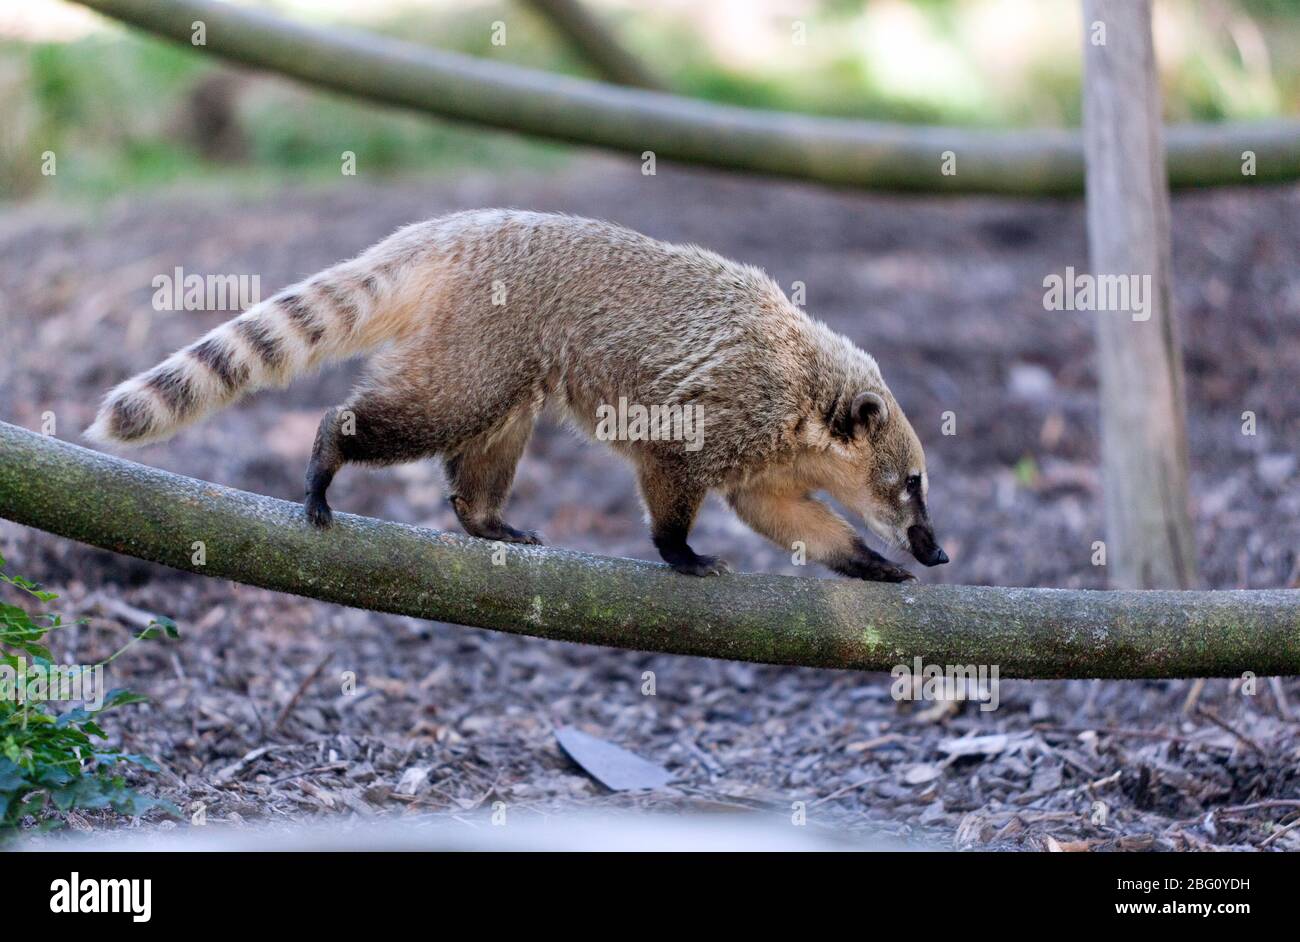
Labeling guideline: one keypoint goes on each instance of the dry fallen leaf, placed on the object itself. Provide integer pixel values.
(412, 779)
(920, 774)
(863, 745)
(1068, 847)
(941, 710)
(612, 766)
(990, 745)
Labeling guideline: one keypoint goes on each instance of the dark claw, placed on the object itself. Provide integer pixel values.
(702, 566)
(318, 512)
(867, 564)
(527, 537)
(897, 574)
(504, 533)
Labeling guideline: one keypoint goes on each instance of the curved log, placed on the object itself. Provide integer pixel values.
(826, 150)
(552, 593)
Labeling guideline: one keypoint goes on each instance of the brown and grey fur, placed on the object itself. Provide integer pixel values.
(592, 313)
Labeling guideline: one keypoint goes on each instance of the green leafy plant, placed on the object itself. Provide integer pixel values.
(51, 760)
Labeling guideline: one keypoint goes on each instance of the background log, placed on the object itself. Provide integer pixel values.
(827, 150)
(593, 41)
(552, 593)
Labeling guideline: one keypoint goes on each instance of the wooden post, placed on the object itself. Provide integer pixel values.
(1149, 538)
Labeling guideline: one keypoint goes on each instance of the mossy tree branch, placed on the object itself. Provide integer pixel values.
(632, 121)
(551, 593)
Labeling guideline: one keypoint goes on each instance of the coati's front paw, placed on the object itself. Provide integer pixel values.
(674, 551)
(888, 572)
(318, 512)
(504, 533)
(871, 566)
(702, 566)
(527, 537)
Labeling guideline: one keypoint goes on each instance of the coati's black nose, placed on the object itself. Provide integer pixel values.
(927, 552)
(936, 557)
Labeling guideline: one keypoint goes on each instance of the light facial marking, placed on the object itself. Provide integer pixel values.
(887, 532)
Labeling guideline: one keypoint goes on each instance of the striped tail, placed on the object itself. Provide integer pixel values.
(329, 317)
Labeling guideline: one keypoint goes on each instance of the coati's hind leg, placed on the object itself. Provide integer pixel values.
(673, 501)
(480, 473)
(787, 517)
(326, 459)
(372, 429)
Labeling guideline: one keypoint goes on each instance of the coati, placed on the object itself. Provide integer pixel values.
(478, 319)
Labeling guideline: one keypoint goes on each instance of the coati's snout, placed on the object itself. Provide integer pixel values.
(920, 540)
(894, 501)
(920, 534)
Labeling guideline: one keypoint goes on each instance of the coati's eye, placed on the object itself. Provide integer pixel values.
(914, 482)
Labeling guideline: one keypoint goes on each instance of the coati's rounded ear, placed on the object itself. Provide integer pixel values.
(869, 410)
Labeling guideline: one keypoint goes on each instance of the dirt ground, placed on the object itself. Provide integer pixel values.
(947, 294)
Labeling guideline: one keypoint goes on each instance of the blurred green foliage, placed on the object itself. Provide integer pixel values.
(51, 762)
(121, 110)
